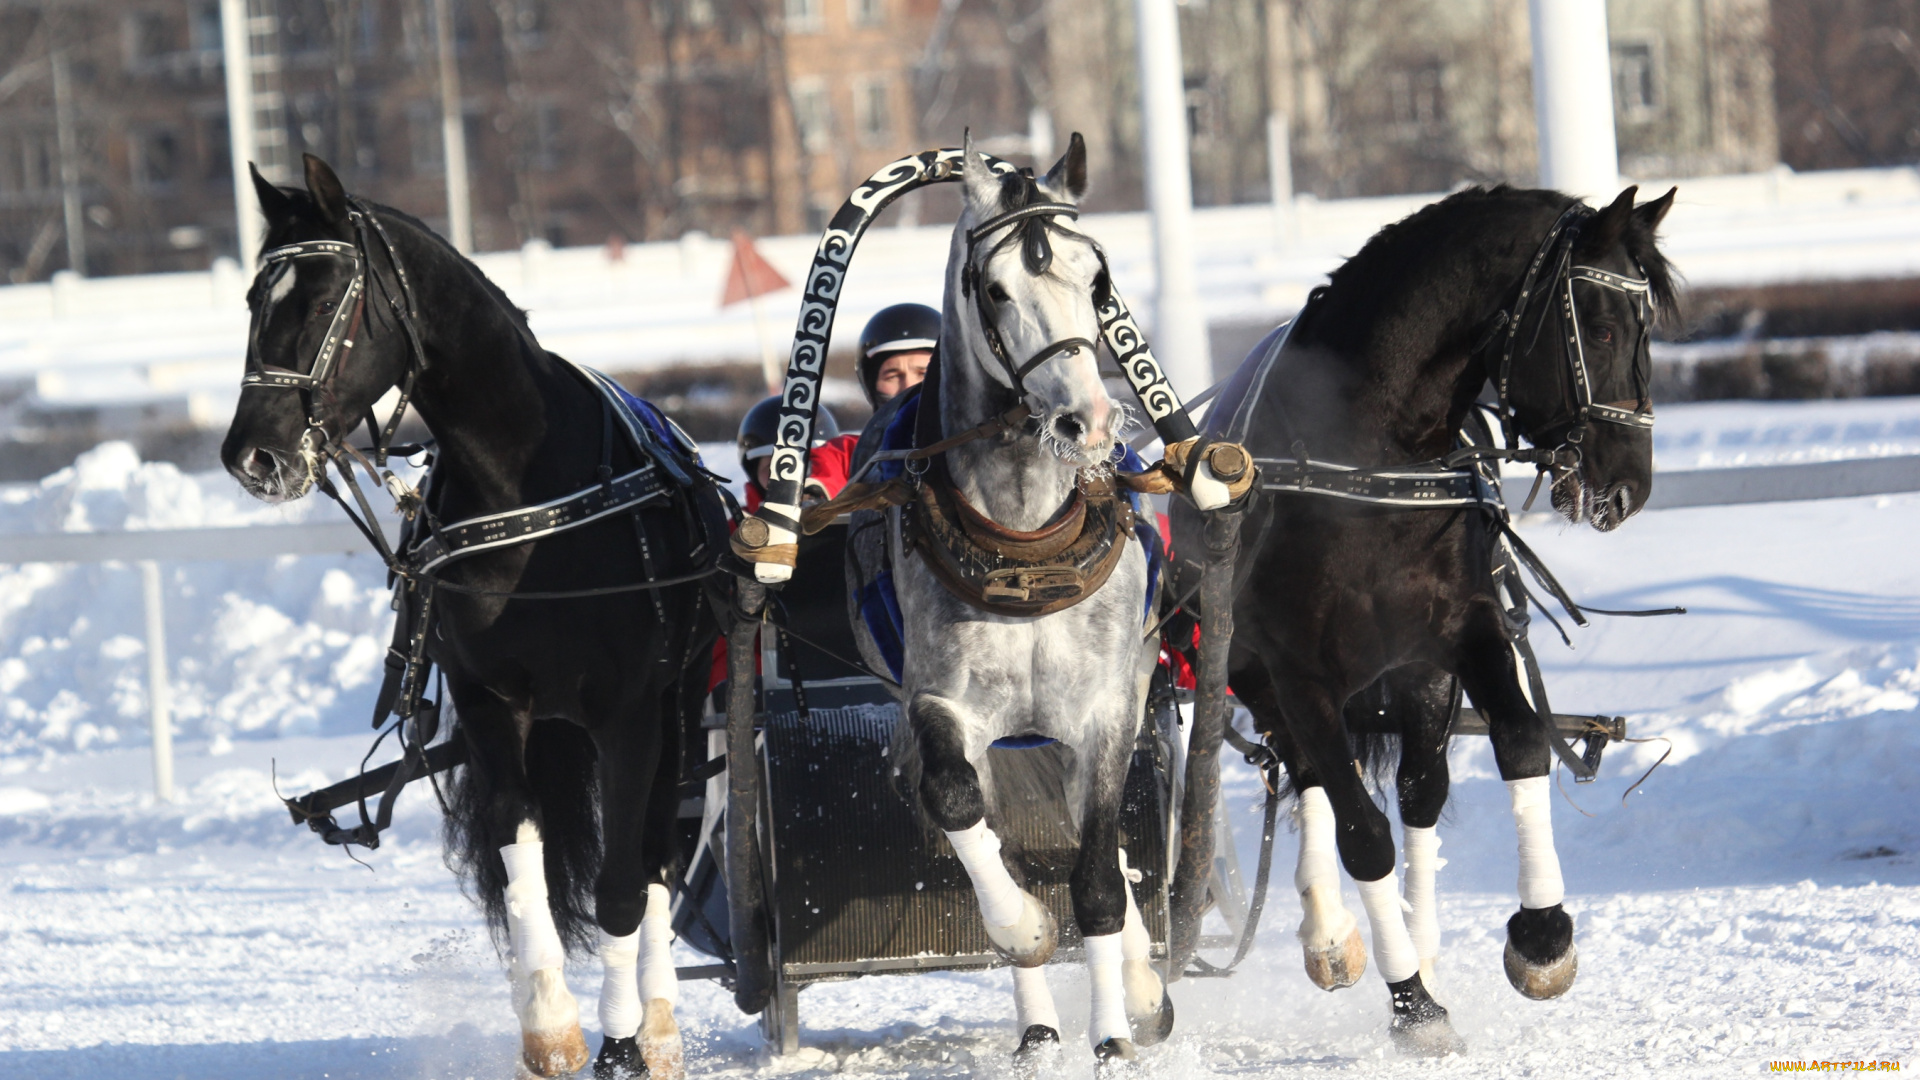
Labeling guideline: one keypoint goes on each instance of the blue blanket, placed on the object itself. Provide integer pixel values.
(880, 606)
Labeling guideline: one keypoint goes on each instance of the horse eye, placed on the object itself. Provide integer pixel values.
(1603, 334)
(325, 307)
(997, 294)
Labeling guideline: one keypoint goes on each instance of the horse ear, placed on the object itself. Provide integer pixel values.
(1649, 215)
(329, 195)
(1069, 175)
(275, 206)
(983, 187)
(1608, 225)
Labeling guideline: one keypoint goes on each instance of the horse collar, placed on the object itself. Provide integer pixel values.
(1023, 574)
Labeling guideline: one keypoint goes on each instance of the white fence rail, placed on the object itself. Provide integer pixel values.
(1672, 491)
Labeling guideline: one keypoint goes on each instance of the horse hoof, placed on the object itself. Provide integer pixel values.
(1152, 1027)
(1030, 941)
(1335, 967)
(1542, 982)
(1115, 1051)
(1038, 1039)
(1540, 958)
(619, 1060)
(552, 1053)
(660, 1048)
(1420, 1027)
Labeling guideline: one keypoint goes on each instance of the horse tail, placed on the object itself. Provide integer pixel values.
(1415, 701)
(561, 778)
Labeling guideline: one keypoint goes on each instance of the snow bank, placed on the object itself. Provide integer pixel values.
(258, 648)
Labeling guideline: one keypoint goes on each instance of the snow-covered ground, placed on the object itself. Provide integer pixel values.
(1757, 899)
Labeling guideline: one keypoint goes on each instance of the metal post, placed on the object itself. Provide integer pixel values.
(239, 71)
(1179, 326)
(453, 132)
(159, 691)
(1573, 98)
(69, 163)
(1280, 175)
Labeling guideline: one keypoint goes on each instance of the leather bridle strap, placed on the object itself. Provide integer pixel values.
(970, 283)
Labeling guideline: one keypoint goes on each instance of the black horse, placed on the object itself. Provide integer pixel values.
(1360, 613)
(571, 710)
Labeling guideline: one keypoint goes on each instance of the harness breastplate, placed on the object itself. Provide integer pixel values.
(1007, 572)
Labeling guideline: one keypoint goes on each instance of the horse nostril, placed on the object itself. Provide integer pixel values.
(1069, 428)
(260, 464)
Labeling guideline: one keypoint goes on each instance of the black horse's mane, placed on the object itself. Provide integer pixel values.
(303, 202)
(1399, 252)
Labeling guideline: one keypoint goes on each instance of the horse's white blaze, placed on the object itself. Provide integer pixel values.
(619, 988)
(1387, 917)
(1423, 916)
(1032, 1001)
(1540, 883)
(1108, 1019)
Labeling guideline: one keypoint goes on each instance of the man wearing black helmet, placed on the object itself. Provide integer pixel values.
(895, 349)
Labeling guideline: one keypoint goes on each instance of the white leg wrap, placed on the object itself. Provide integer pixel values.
(619, 989)
(1540, 883)
(979, 852)
(536, 944)
(1032, 1001)
(658, 982)
(1423, 911)
(1108, 1019)
(1392, 946)
(1319, 854)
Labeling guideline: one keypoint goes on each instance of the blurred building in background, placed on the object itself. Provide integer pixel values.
(644, 119)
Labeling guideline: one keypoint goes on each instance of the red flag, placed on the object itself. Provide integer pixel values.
(751, 275)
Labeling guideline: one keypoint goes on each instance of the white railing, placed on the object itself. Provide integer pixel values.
(148, 548)
(1674, 490)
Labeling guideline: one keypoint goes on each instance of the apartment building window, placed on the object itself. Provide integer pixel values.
(216, 148)
(155, 157)
(1416, 96)
(146, 37)
(546, 148)
(203, 26)
(423, 139)
(872, 120)
(866, 12)
(813, 114)
(805, 16)
(1636, 82)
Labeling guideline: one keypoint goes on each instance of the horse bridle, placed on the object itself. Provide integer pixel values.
(1557, 249)
(1036, 251)
(348, 315)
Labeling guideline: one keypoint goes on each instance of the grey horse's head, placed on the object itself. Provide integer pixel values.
(1031, 282)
